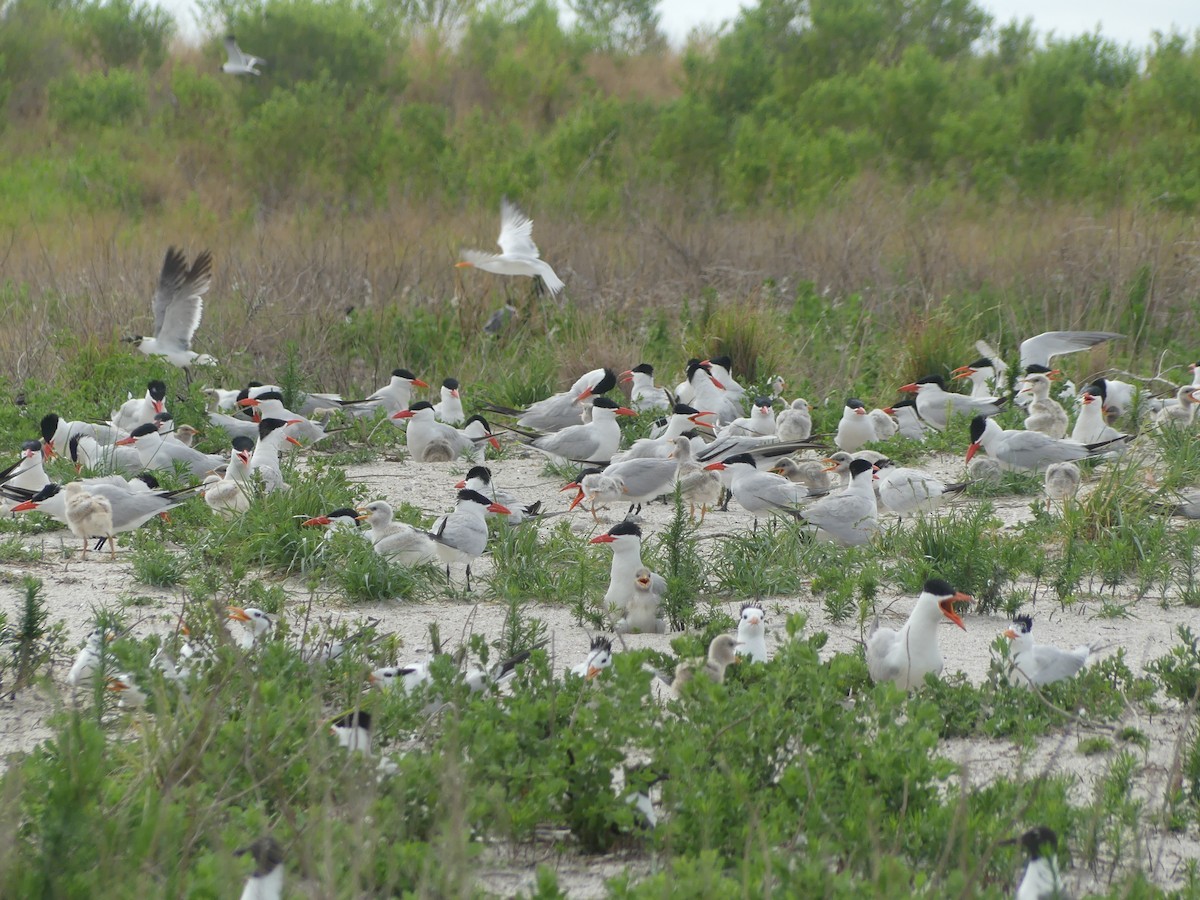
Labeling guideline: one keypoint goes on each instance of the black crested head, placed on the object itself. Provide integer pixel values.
(746, 606)
(266, 426)
(591, 470)
(604, 403)
(741, 458)
(450, 383)
(473, 496)
(48, 426)
(420, 405)
(163, 417)
(157, 390)
(143, 430)
(858, 466)
(723, 361)
(483, 473)
(1037, 369)
(148, 480)
(905, 402)
(600, 642)
(1025, 623)
(855, 403)
(606, 383)
(269, 395)
(644, 368)
(243, 443)
(36, 446)
(344, 512)
(47, 491)
(73, 447)
(1036, 840)
(939, 588)
(1099, 388)
(932, 379)
(265, 851)
(403, 373)
(883, 463)
(244, 393)
(978, 426)
(983, 362)
(682, 409)
(355, 719)
(625, 528)
(481, 420)
(696, 366)
(250, 385)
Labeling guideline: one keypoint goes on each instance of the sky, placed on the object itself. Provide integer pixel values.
(1124, 21)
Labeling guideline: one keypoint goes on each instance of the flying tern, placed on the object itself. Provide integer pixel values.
(518, 253)
(178, 304)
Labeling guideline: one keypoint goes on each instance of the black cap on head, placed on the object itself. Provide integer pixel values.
(1037, 369)
(47, 491)
(483, 473)
(157, 390)
(939, 588)
(682, 409)
(978, 426)
(343, 512)
(607, 382)
(355, 719)
(644, 368)
(269, 395)
(481, 420)
(48, 426)
(243, 443)
(422, 404)
(163, 417)
(1037, 839)
(265, 851)
(746, 606)
(932, 379)
(741, 458)
(36, 445)
(858, 466)
(474, 497)
(1024, 623)
(625, 528)
(73, 447)
(1099, 387)
(451, 383)
(143, 430)
(266, 426)
(982, 363)
(855, 403)
(883, 463)
(604, 403)
(600, 642)
(591, 470)
(693, 367)
(723, 361)
(762, 401)
(244, 393)
(148, 480)
(403, 373)
(905, 402)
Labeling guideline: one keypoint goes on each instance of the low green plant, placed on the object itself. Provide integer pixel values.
(1179, 669)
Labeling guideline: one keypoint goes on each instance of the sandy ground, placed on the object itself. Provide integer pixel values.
(74, 587)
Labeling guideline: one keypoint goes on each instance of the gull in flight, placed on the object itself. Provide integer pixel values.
(240, 63)
(178, 304)
(518, 253)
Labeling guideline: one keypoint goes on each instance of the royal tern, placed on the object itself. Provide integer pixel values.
(760, 422)
(595, 441)
(708, 392)
(343, 519)
(258, 625)
(683, 420)
(479, 478)
(850, 517)
(1044, 414)
(158, 452)
(462, 534)
(269, 405)
(266, 881)
(397, 541)
(1029, 450)
(1062, 481)
(856, 427)
(908, 423)
(599, 658)
(89, 516)
(722, 653)
(564, 409)
(935, 404)
(794, 423)
(625, 539)
(985, 375)
(1040, 664)
(1181, 415)
(906, 656)
(391, 398)
(1041, 880)
(178, 304)
(139, 411)
(722, 372)
(641, 612)
(265, 459)
(432, 441)
(239, 63)
(907, 491)
(449, 409)
(813, 474)
(1040, 350)
(518, 253)
(752, 633)
(759, 492)
(644, 394)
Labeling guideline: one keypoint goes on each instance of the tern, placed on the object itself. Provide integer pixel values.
(599, 658)
(88, 516)
(432, 441)
(595, 441)
(479, 478)
(565, 408)
(906, 656)
(266, 881)
(239, 63)
(752, 633)
(1041, 880)
(131, 504)
(398, 541)
(28, 474)
(684, 419)
(856, 428)
(269, 405)
(1181, 415)
(1044, 414)
(450, 409)
(625, 539)
(813, 474)
(935, 403)
(908, 423)
(907, 491)
(259, 623)
(88, 660)
(708, 392)
(1062, 481)
(1027, 449)
(462, 535)
(139, 411)
(178, 304)
(265, 459)
(518, 253)
(759, 492)
(1040, 664)
(1090, 426)
(644, 394)
(391, 398)
(722, 653)
(722, 372)
(986, 377)
(850, 517)
(157, 452)
(794, 423)
(339, 520)
(641, 612)
(760, 422)
(1040, 350)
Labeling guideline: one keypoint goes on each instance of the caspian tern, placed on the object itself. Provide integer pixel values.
(353, 732)
(89, 516)
(760, 422)
(131, 504)
(760, 492)
(28, 474)
(1044, 415)
(1062, 481)
(1041, 880)
(450, 409)
(641, 613)
(135, 412)
(683, 419)
(907, 491)
(269, 405)
(338, 520)
(518, 253)
(599, 658)
(986, 377)
(157, 452)
(595, 441)
(265, 460)
(239, 63)
(391, 398)
(58, 433)
(564, 409)
(722, 372)
(645, 395)
(752, 633)
(1030, 450)
(130, 695)
(908, 423)
(398, 541)
(266, 881)
(1182, 415)
(1090, 426)
(1039, 664)
(1040, 350)
(794, 423)
(885, 425)
(479, 478)
(708, 392)
(722, 653)
(432, 441)
(408, 677)
(850, 517)
(625, 539)
(595, 489)
(463, 533)
(906, 656)
(639, 481)
(178, 304)
(697, 485)
(258, 625)
(856, 427)
(935, 403)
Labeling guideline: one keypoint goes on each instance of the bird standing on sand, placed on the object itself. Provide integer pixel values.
(89, 516)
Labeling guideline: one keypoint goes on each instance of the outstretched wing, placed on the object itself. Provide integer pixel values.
(1041, 349)
(516, 231)
(178, 301)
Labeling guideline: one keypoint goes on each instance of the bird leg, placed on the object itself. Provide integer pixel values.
(112, 548)
(85, 548)
(468, 577)
(726, 495)
(595, 518)
(703, 512)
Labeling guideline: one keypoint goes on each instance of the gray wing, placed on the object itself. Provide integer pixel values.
(578, 442)
(879, 645)
(1033, 450)
(1041, 349)
(178, 301)
(770, 490)
(1053, 664)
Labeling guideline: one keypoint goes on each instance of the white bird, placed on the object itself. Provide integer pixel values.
(625, 539)
(479, 478)
(697, 485)
(178, 304)
(265, 459)
(1041, 349)
(885, 425)
(641, 612)
(353, 732)
(397, 541)
(644, 394)
(258, 623)
(131, 696)
(1041, 880)
(722, 653)
(856, 427)
(752, 633)
(229, 495)
(462, 535)
(565, 408)
(158, 452)
(88, 660)
(683, 420)
(1026, 449)
(722, 373)
(904, 657)
(89, 516)
(391, 398)
(1182, 415)
(812, 473)
(518, 253)
(908, 423)
(239, 63)
(935, 403)
(760, 422)
(907, 491)
(139, 411)
(985, 377)
(1040, 664)
(1062, 481)
(709, 392)
(594, 441)
(28, 474)
(408, 677)
(1090, 426)
(851, 516)
(450, 409)
(58, 433)
(759, 492)
(595, 489)
(432, 441)
(599, 658)
(269, 405)
(343, 519)
(266, 881)
(794, 423)
(1044, 414)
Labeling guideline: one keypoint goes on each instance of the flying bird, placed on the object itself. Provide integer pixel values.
(178, 304)
(518, 253)
(240, 63)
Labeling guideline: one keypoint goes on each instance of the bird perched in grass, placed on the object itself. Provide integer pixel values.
(906, 656)
(266, 881)
(722, 653)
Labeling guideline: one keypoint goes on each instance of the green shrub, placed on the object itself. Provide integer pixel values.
(98, 99)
